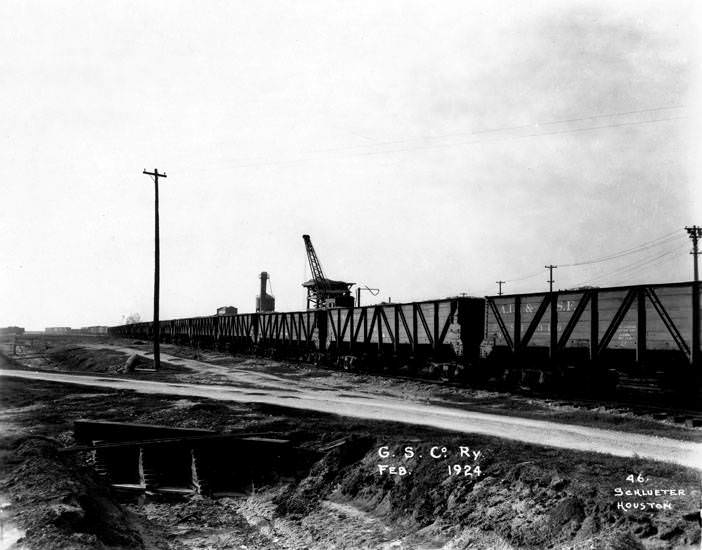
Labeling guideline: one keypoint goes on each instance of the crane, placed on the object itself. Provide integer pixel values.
(323, 292)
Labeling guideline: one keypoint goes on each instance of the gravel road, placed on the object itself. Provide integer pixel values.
(376, 407)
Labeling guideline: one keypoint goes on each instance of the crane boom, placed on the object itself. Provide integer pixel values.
(315, 266)
(323, 292)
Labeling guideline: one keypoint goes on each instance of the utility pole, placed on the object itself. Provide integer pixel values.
(695, 233)
(499, 287)
(553, 323)
(156, 327)
(550, 276)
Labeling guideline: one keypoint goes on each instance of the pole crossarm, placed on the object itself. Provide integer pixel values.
(155, 174)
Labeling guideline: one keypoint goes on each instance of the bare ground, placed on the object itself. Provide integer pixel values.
(526, 497)
(319, 392)
(107, 356)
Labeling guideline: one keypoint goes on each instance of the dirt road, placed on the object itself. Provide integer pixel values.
(386, 408)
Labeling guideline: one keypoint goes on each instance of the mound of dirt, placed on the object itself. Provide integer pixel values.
(535, 504)
(77, 358)
(302, 498)
(61, 503)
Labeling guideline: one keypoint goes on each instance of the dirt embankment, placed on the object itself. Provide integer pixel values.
(525, 497)
(76, 358)
(61, 504)
(543, 502)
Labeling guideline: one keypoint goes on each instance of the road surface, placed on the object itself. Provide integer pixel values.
(375, 407)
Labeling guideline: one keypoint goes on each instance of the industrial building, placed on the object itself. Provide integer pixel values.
(227, 310)
(57, 330)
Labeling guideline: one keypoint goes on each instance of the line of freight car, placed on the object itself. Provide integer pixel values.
(449, 330)
(599, 337)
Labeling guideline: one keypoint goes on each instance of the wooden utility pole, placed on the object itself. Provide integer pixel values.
(695, 233)
(550, 276)
(156, 327)
(553, 324)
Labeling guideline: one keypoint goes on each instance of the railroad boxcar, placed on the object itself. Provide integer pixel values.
(643, 331)
(445, 330)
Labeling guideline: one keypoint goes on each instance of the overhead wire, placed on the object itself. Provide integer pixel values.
(429, 146)
(634, 250)
(493, 130)
(524, 278)
(646, 245)
(450, 145)
(640, 265)
(562, 121)
(630, 275)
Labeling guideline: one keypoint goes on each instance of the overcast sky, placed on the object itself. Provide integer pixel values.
(429, 148)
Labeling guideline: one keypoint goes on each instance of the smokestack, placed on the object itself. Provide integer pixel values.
(264, 301)
(264, 280)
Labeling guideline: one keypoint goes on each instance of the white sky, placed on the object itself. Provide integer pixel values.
(364, 124)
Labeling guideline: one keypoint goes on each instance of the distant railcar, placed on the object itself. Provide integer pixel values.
(448, 329)
(648, 333)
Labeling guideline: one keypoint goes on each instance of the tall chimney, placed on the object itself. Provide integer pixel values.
(264, 280)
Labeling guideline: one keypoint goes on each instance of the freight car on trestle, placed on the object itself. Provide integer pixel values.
(642, 338)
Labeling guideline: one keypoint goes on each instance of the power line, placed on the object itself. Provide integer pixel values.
(633, 267)
(548, 123)
(645, 265)
(576, 130)
(460, 144)
(663, 239)
(531, 276)
(628, 251)
(494, 130)
(634, 273)
(262, 163)
(647, 262)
